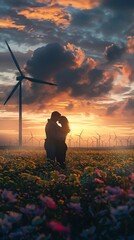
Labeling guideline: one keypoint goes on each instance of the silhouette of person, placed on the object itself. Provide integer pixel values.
(61, 146)
(51, 130)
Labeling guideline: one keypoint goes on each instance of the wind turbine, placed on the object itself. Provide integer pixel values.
(99, 139)
(109, 141)
(79, 137)
(115, 139)
(31, 139)
(128, 141)
(20, 78)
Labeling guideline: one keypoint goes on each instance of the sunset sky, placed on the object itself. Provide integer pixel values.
(86, 47)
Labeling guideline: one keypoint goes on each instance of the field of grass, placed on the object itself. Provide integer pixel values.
(92, 199)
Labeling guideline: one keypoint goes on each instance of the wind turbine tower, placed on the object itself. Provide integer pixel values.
(109, 141)
(115, 139)
(20, 79)
(79, 138)
(99, 139)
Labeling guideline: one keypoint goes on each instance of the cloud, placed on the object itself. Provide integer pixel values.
(129, 105)
(68, 67)
(70, 107)
(125, 109)
(114, 52)
(82, 18)
(112, 109)
(128, 69)
(48, 60)
(7, 64)
(130, 46)
(119, 4)
(80, 4)
(51, 13)
(9, 23)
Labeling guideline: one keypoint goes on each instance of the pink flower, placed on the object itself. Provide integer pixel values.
(132, 176)
(98, 180)
(49, 202)
(9, 196)
(58, 227)
(98, 172)
(131, 193)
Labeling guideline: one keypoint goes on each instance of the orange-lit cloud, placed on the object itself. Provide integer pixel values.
(9, 23)
(127, 70)
(131, 44)
(50, 13)
(81, 4)
(77, 52)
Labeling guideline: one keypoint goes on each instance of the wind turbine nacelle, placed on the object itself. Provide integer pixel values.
(19, 78)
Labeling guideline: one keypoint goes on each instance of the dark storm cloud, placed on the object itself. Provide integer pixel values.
(119, 4)
(68, 78)
(57, 63)
(114, 52)
(48, 60)
(95, 84)
(92, 30)
(112, 109)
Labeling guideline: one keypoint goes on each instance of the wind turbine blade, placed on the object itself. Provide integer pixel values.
(14, 59)
(30, 139)
(39, 81)
(12, 92)
(81, 132)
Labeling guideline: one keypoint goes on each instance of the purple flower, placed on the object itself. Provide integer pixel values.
(8, 196)
(31, 209)
(115, 190)
(75, 206)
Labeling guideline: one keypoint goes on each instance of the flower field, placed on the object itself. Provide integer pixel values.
(93, 198)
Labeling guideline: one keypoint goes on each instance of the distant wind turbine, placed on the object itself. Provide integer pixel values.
(115, 139)
(109, 141)
(19, 85)
(128, 141)
(99, 139)
(31, 139)
(79, 137)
